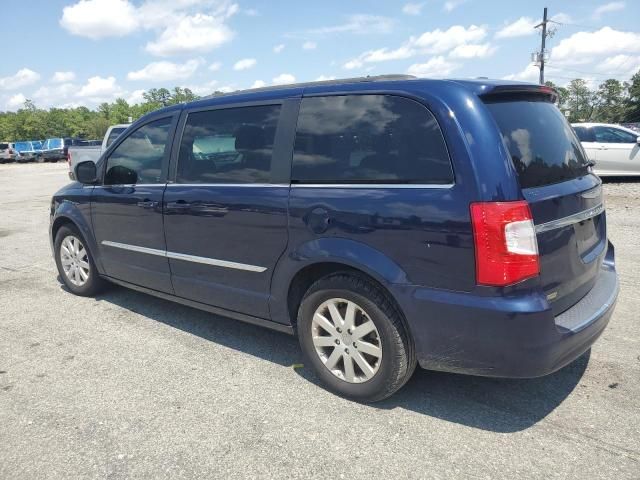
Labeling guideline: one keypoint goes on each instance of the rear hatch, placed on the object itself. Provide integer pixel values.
(565, 198)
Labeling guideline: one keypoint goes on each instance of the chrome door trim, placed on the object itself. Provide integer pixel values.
(215, 262)
(187, 258)
(135, 248)
(373, 185)
(571, 219)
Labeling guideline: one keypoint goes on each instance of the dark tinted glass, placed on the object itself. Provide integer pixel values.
(542, 144)
(614, 135)
(584, 134)
(115, 133)
(4, 146)
(228, 146)
(368, 139)
(138, 159)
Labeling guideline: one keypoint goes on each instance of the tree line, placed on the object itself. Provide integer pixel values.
(33, 123)
(611, 102)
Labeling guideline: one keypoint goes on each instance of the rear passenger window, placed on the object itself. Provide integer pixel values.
(232, 145)
(368, 139)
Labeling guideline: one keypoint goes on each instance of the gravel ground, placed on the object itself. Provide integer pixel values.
(130, 386)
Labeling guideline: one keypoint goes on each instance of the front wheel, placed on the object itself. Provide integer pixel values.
(75, 263)
(354, 337)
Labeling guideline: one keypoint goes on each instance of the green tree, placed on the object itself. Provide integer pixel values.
(563, 94)
(609, 101)
(632, 102)
(580, 100)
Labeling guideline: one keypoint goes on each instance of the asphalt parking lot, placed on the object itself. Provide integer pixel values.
(129, 386)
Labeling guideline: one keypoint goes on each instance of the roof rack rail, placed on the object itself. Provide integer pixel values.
(337, 81)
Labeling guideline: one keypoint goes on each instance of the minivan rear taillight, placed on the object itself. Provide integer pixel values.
(505, 242)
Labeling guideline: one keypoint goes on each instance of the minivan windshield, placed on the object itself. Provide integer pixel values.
(543, 146)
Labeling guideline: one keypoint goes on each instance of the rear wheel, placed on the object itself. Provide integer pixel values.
(354, 337)
(75, 263)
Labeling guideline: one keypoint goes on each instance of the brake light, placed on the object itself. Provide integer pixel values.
(11, 151)
(505, 242)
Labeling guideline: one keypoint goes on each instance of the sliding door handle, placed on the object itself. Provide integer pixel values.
(179, 205)
(147, 204)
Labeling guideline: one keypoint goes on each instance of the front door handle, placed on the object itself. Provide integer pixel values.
(147, 204)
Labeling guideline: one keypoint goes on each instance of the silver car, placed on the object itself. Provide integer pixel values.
(614, 149)
(7, 152)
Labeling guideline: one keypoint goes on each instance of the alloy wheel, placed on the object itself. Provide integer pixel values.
(346, 340)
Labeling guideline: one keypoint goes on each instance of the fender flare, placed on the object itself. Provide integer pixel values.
(341, 251)
(79, 216)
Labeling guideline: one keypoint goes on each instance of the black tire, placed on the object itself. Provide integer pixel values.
(398, 353)
(93, 283)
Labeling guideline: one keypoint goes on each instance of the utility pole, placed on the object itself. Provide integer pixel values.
(542, 47)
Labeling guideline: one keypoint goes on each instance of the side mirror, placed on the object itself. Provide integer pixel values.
(86, 172)
(638, 140)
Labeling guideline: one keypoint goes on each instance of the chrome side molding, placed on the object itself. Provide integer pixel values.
(184, 257)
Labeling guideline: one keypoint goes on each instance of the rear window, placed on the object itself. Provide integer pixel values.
(4, 146)
(543, 146)
(115, 133)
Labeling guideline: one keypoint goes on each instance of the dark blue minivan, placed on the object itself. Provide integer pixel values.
(387, 221)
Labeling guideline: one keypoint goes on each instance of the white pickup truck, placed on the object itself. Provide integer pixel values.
(75, 155)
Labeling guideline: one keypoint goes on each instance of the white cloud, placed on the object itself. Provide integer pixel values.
(165, 71)
(99, 89)
(620, 65)
(434, 67)
(206, 88)
(521, 27)
(16, 101)
(190, 34)
(259, 84)
(244, 64)
(323, 78)
(283, 79)
(100, 18)
(309, 45)
(215, 66)
(583, 46)
(227, 89)
(62, 77)
(439, 41)
(135, 97)
(530, 74)
(451, 5)
(412, 8)
(55, 95)
(473, 51)
(356, 24)
(21, 78)
(432, 42)
(278, 48)
(608, 8)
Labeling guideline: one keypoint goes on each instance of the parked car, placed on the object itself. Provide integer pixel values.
(55, 149)
(26, 152)
(387, 221)
(93, 150)
(615, 150)
(7, 152)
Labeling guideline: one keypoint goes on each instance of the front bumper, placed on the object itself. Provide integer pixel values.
(516, 336)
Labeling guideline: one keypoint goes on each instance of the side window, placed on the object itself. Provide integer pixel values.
(584, 134)
(614, 135)
(138, 159)
(232, 145)
(368, 139)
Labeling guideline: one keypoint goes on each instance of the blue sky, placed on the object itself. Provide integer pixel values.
(83, 52)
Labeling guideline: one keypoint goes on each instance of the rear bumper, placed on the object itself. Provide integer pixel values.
(515, 337)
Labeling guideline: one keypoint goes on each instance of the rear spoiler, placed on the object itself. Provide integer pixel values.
(515, 90)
